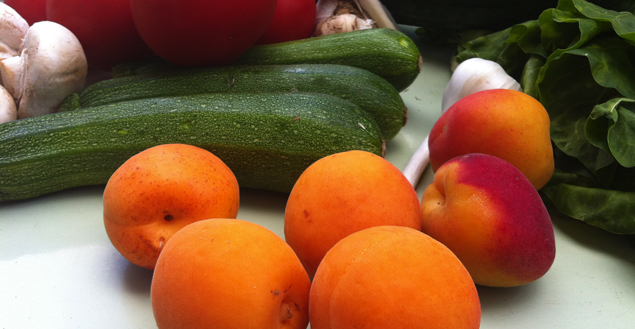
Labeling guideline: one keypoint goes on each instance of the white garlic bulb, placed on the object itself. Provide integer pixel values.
(473, 75)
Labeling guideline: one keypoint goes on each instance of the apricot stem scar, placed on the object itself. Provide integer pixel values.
(168, 217)
(285, 312)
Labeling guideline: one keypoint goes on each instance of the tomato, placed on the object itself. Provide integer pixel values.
(31, 10)
(293, 20)
(201, 32)
(104, 28)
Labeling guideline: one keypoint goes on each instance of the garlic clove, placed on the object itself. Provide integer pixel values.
(8, 110)
(474, 75)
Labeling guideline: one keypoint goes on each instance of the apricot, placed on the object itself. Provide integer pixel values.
(392, 277)
(229, 273)
(488, 213)
(344, 193)
(160, 190)
(505, 123)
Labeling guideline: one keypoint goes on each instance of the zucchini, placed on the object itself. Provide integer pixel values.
(365, 89)
(267, 139)
(386, 52)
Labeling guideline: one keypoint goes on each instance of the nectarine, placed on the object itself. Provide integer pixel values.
(505, 123)
(392, 277)
(488, 213)
(344, 193)
(160, 190)
(229, 273)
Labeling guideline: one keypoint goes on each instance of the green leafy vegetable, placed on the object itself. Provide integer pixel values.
(578, 60)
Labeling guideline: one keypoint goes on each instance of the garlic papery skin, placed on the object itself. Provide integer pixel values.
(337, 16)
(474, 75)
(379, 14)
(325, 9)
(342, 23)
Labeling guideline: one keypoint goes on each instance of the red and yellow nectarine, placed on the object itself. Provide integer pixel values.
(488, 213)
(505, 123)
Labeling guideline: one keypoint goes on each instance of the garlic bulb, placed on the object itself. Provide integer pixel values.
(473, 75)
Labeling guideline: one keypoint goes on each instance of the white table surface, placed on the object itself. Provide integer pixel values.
(59, 270)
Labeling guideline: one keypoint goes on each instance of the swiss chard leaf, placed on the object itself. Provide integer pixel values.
(595, 206)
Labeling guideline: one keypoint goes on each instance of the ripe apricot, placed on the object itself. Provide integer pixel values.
(229, 273)
(160, 190)
(392, 277)
(505, 123)
(344, 193)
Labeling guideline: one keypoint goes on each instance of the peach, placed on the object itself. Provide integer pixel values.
(392, 277)
(505, 123)
(158, 191)
(344, 193)
(229, 273)
(488, 213)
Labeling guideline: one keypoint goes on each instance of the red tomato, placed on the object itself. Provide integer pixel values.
(104, 28)
(31, 10)
(201, 32)
(293, 20)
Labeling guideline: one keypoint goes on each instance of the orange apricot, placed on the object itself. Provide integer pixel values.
(344, 193)
(392, 277)
(229, 273)
(160, 190)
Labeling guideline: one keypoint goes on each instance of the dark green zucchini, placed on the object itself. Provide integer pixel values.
(363, 88)
(388, 53)
(266, 139)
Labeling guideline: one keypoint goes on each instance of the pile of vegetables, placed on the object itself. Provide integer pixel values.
(578, 60)
(278, 108)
